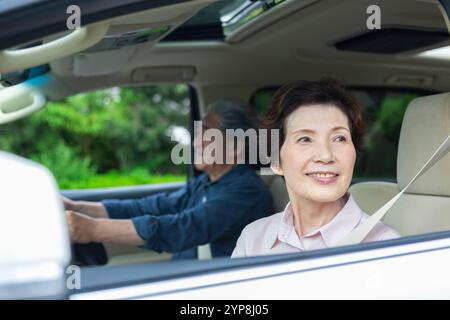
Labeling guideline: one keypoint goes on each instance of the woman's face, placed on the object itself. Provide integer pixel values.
(318, 155)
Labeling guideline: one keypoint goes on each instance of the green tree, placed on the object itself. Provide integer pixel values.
(118, 130)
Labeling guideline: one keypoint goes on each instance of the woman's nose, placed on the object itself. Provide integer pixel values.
(324, 153)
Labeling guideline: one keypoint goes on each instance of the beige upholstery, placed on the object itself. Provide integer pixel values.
(425, 126)
(145, 257)
(370, 196)
(425, 207)
(278, 189)
(279, 193)
(417, 214)
(125, 254)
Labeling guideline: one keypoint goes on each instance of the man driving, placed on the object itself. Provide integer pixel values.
(212, 208)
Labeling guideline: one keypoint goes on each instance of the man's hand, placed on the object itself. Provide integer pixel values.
(91, 209)
(82, 228)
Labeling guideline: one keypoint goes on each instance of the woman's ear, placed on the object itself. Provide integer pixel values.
(276, 168)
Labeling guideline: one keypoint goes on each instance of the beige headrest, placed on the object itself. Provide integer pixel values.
(425, 126)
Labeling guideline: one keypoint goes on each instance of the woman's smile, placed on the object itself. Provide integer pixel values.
(324, 178)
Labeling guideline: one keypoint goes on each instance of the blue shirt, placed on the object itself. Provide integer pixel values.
(199, 213)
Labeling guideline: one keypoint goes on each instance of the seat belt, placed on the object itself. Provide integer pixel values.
(360, 232)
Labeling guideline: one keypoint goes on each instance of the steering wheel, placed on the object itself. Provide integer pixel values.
(89, 254)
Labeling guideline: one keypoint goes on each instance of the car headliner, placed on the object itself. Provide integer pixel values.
(293, 41)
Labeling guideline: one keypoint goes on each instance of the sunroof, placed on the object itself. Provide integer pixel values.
(442, 53)
(220, 19)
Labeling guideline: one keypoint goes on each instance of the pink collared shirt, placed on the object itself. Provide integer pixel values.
(276, 234)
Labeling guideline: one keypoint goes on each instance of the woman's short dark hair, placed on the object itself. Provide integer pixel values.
(327, 91)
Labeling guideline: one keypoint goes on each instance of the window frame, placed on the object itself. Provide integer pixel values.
(127, 277)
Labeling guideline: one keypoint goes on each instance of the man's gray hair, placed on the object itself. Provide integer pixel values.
(233, 115)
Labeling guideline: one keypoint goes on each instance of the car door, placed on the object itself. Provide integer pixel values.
(405, 268)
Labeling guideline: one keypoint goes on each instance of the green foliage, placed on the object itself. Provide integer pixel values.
(390, 115)
(262, 100)
(137, 176)
(65, 163)
(113, 137)
(380, 155)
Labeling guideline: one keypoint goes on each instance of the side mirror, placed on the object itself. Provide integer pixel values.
(34, 238)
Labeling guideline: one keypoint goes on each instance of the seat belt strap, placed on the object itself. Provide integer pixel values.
(360, 232)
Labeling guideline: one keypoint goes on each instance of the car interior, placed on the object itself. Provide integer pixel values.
(424, 206)
(220, 50)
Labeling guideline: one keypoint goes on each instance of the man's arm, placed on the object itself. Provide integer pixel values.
(171, 233)
(85, 229)
(157, 204)
(92, 209)
(110, 221)
(223, 213)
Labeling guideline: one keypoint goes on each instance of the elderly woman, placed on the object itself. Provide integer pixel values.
(321, 131)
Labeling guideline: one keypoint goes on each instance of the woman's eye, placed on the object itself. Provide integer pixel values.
(340, 139)
(304, 139)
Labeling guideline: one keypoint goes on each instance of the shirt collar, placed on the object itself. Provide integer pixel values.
(279, 232)
(342, 224)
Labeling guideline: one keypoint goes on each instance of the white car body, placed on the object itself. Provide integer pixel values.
(408, 271)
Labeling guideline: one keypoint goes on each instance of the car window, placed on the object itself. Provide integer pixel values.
(106, 138)
(384, 110)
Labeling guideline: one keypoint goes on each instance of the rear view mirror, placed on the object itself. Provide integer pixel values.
(34, 240)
